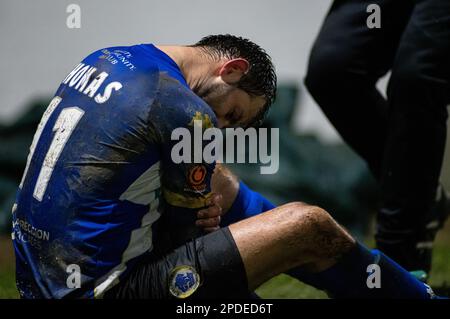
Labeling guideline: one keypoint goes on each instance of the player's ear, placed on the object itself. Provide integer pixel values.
(232, 71)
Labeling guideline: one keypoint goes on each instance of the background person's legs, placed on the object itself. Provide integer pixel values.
(418, 96)
(402, 140)
(346, 61)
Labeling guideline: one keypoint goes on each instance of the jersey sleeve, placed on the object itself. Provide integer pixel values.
(185, 176)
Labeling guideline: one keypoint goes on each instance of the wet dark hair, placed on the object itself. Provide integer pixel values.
(260, 80)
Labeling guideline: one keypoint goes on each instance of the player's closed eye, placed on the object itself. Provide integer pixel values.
(234, 117)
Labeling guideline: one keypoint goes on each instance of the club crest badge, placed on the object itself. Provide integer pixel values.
(183, 281)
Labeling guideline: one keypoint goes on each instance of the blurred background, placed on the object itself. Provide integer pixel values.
(38, 50)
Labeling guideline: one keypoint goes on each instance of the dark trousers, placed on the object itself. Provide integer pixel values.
(402, 138)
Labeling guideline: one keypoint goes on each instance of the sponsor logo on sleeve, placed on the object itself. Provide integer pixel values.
(196, 177)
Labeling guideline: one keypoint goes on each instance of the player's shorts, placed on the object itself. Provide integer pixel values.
(207, 267)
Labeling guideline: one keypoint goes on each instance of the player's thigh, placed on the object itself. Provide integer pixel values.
(292, 235)
(207, 267)
(346, 44)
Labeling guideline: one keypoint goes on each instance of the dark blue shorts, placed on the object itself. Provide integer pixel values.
(207, 267)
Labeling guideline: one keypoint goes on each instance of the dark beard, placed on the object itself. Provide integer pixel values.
(204, 92)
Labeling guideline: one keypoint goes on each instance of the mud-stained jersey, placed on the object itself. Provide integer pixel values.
(99, 173)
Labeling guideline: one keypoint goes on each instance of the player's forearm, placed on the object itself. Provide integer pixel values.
(224, 182)
(238, 200)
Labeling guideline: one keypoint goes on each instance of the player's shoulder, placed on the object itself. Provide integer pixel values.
(125, 58)
(127, 64)
(120, 73)
(179, 105)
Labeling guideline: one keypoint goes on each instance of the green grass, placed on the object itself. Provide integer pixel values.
(7, 273)
(440, 274)
(285, 287)
(8, 285)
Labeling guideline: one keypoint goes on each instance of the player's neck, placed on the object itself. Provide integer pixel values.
(195, 66)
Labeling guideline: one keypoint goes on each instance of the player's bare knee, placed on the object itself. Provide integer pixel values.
(331, 240)
(308, 216)
(315, 226)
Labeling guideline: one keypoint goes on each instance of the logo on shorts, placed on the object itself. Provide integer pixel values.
(183, 281)
(196, 177)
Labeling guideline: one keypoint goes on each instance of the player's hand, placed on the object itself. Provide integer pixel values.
(209, 217)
